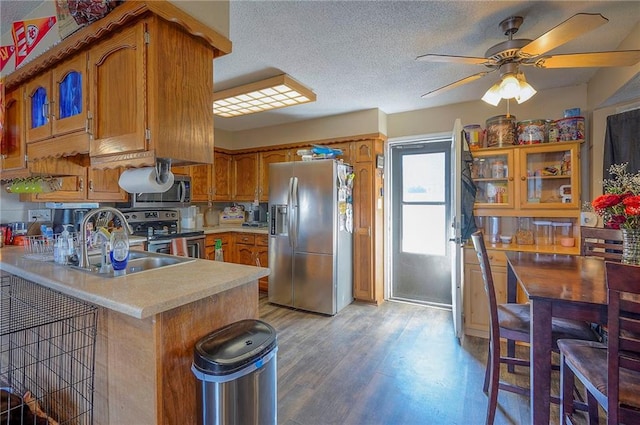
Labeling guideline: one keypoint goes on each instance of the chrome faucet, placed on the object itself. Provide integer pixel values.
(84, 254)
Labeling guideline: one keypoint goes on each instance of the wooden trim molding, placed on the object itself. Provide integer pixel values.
(122, 15)
(304, 144)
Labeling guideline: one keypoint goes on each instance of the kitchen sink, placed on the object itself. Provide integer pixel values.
(139, 261)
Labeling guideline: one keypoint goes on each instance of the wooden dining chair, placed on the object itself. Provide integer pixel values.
(600, 242)
(511, 321)
(610, 373)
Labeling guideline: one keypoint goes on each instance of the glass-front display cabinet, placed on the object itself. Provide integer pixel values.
(492, 171)
(547, 179)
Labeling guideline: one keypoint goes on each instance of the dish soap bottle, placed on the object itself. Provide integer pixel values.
(218, 255)
(119, 251)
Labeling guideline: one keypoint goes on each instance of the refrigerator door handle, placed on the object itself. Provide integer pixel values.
(294, 209)
(290, 212)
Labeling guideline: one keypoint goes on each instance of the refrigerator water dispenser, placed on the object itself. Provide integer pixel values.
(279, 220)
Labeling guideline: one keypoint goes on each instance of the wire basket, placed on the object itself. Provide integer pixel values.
(43, 247)
(47, 347)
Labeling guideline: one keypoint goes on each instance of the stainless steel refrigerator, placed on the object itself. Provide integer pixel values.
(310, 237)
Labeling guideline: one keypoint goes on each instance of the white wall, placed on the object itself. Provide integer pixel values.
(545, 104)
(336, 126)
(602, 86)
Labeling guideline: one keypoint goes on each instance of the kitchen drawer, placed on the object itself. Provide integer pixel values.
(245, 239)
(496, 258)
(211, 238)
(262, 240)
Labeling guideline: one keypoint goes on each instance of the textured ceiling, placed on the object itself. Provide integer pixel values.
(358, 55)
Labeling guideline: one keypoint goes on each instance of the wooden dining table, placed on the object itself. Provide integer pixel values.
(565, 286)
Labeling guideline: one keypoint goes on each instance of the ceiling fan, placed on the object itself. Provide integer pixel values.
(509, 55)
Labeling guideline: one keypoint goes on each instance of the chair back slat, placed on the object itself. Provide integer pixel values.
(631, 306)
(623, 346)
(603, 243)
(487, 278)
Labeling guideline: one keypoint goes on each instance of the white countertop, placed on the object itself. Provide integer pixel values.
(139, 295)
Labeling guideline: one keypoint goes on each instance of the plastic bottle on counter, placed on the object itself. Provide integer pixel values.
(218, 254)
(119, 251)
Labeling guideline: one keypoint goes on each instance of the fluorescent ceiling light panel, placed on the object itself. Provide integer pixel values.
(272, 93)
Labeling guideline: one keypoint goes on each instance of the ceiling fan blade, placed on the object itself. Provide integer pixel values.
(587, 60)
(455, 59)
(573, 27)
(456, 84)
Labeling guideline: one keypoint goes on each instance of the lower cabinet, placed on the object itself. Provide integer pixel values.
(251, 249)
(210, 246)
(476, 305)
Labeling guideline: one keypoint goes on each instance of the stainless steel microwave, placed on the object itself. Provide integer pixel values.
(178, 196)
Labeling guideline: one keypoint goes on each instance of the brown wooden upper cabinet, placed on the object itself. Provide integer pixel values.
(222, 170)
(13, 149)
(57, 100)
(201, 181)
(151, 96)
(245, 177)
(266, 158)
(117, 73)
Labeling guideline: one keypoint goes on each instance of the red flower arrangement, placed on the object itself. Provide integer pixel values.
(619, 207)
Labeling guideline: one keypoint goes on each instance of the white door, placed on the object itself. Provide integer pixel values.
(456, 220)
(420, 263)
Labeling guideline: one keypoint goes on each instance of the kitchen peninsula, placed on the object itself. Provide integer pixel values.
(148, 323)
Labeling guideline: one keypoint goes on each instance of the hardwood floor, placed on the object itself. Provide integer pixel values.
(392, 364)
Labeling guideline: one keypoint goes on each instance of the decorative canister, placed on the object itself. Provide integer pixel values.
(531, 131)
(501, 131)
(474, 135)
(552, 132)
(571, 128)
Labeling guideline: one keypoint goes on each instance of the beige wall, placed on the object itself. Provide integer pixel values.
(337, 126)
(545, 104)
(602, 86)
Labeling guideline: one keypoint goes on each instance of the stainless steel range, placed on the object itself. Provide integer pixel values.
(160, 227)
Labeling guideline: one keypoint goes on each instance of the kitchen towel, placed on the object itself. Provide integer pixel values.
(143, 180)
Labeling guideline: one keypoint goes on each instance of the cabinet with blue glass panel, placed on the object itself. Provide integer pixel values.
(57, 101)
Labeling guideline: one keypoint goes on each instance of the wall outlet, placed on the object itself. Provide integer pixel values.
(40, 215)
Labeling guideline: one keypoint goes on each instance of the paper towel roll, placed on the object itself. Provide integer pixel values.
(143, 180)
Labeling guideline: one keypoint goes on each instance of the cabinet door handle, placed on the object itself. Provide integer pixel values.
(90, 185)
(523, 178)
(80, 184)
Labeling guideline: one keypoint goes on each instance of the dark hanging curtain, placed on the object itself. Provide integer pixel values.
(622, 141)
(468, 224)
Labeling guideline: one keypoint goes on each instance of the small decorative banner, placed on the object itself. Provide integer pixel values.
(5, 54)
(27, 35)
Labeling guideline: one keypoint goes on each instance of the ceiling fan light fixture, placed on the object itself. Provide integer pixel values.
(492, 96)
(509, 86)
(526, 92)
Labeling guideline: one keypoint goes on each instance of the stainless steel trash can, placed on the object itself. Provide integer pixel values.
(237, 369)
